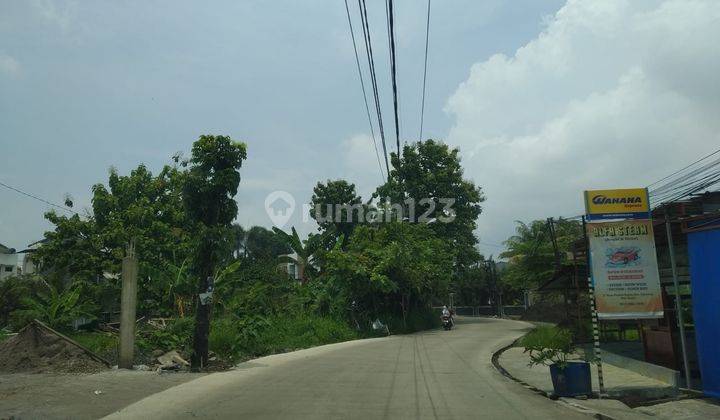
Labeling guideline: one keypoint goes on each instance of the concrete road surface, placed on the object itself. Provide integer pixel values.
(435, 374)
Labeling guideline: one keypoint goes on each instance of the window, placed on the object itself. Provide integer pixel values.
(8, 268)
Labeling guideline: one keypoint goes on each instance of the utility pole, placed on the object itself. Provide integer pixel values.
(678, 306)
(128, 306)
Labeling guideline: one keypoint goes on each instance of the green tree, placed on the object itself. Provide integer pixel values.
(210, 186)
(390, 269)
(472, 286)
(141, 207)
(428, 178)
(531, 255)
(258, 243)
(428, 173)
(73, 250)
(336, 208)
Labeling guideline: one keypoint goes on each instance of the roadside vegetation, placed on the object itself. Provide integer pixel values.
(352, 273)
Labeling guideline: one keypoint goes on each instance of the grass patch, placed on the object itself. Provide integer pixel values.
(233, 338)
(104, 344)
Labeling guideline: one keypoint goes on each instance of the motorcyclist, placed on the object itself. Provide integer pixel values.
(447, 313)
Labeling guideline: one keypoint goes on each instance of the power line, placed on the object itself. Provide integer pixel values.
(684, 180)
(394, 73)
(371, 64)
(37, 198)
(362, 84)
(698, 179)
(427, 39)
(678, 182)
(680, 170)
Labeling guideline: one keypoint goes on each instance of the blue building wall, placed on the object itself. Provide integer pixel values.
(704, 251)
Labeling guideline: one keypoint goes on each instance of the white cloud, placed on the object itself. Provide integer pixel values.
(610, 94)
(61, 14)
(360, 164)
(8, 64)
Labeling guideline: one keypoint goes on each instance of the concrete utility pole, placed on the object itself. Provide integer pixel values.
(128, 304)
(678, 304)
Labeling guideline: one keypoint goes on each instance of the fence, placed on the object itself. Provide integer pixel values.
(510, 310)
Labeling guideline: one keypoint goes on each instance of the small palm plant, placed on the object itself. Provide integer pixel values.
(553, 347)
(549, 346)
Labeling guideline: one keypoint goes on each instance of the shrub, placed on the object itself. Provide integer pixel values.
(12, 292)
(287, 333)
(223, 339)
(548, 345)
(56, 307)
(177, 335)
(233, 337)
(4, 335)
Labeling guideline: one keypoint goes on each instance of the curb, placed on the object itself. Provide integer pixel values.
(572, 405)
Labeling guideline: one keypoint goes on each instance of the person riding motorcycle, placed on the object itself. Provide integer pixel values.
(447, 313)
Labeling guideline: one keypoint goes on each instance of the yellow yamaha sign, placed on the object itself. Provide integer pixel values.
(629, 203)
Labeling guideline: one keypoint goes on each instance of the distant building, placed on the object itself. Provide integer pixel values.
(291, 267)
(30, 263)
(8, 262)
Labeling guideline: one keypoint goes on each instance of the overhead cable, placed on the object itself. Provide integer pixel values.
(362, 85)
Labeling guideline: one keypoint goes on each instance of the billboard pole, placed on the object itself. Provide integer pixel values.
(594, 315)
(678, 306)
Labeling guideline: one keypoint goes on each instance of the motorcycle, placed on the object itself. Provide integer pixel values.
(447, 322)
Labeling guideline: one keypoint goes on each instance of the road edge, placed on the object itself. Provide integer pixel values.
(571, 405)
(143, 408)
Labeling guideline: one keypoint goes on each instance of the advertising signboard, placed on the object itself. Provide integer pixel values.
(629, 203)
(625, 271)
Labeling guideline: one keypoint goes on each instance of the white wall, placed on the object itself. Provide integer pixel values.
(8, 265)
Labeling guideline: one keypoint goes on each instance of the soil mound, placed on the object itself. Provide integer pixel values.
(39, 349)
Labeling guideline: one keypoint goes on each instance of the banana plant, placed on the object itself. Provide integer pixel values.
(56, 308)
(304, 251)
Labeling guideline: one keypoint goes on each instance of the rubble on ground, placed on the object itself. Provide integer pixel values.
(172, 361)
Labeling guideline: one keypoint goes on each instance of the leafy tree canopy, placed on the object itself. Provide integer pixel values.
(530, 254)
(336, 207)
(428, 172)
(258, 243)
(390, 268)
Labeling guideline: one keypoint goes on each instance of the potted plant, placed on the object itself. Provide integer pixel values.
(553, 347)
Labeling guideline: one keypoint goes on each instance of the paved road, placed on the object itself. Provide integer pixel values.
(436, 374)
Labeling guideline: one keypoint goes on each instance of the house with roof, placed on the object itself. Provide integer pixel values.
(8, 262)
(30, 263)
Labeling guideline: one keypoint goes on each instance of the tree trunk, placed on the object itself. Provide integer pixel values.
(301, 270)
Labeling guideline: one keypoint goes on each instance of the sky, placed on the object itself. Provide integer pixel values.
(544, 99)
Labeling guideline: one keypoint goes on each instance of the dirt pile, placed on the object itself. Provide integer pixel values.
(38, 349)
